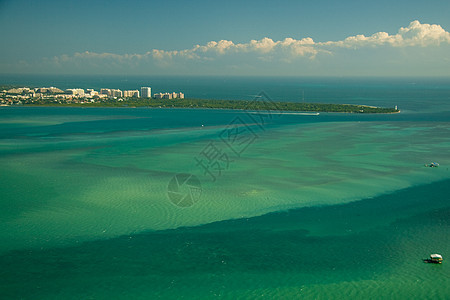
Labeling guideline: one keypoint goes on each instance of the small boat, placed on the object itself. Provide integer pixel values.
(434, 259)
(433, 165)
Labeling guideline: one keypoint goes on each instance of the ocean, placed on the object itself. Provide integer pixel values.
(201, 204)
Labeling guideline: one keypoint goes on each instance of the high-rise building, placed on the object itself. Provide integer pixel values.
(146, 92)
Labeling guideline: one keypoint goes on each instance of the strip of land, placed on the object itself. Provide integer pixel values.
(249, 105)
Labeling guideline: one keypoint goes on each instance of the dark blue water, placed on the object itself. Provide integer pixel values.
(416, 94)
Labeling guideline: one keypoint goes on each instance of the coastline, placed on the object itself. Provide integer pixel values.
(268, 106)
(272, 112)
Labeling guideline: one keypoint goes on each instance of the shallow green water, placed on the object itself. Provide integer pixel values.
(366, 249)
(352, 209)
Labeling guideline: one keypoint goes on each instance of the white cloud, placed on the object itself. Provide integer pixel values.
(424, 34)
(266, 46)
(416, 34)
(266, 49)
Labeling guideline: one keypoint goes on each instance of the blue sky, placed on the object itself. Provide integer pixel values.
(300, 38)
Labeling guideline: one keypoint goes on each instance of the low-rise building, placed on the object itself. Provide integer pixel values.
(169, 96)
(131, 94)
(106, 92)
(17, 91)
(116, 93)
(91, 93)
(75, 92)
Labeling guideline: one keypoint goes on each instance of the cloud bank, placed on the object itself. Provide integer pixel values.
(255, 52)
(416, 34)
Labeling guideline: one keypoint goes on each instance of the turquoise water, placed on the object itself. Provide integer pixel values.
(332, 206)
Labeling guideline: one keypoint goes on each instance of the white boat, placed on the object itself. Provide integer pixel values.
(434, 259)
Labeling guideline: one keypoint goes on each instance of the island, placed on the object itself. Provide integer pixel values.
(117, 98)
(224, 104)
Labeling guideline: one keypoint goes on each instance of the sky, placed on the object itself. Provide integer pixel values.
(197, 37)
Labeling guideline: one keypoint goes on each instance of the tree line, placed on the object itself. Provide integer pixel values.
(256, 105)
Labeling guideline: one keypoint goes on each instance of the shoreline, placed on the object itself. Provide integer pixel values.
(275, 112)
(267, 106)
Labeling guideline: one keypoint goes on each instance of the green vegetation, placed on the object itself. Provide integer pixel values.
(220, 104)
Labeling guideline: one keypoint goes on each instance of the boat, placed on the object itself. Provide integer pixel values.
(433, 165)
(434, 259)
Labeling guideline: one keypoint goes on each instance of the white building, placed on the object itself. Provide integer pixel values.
(54, 90)
(105, 92)
(163, 96)
(76, 92)
(146, 92)
(91, 93)
(169, 96)
(131, 94)
(158, 95)
(116, 93)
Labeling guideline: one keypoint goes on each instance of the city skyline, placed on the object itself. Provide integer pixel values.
(79, 95)
(284, 38)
